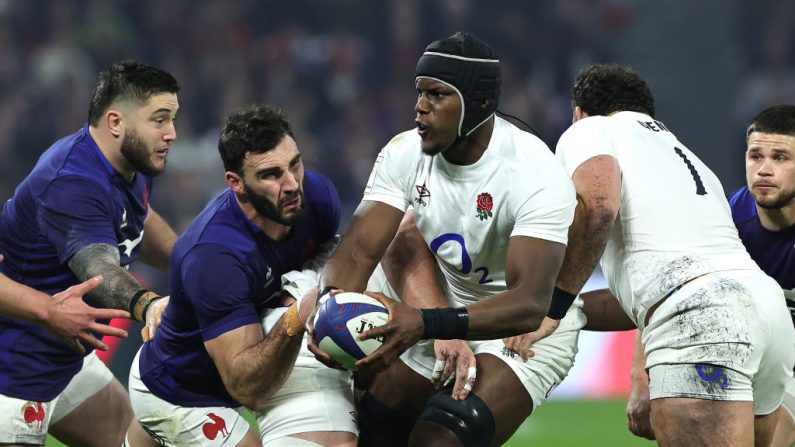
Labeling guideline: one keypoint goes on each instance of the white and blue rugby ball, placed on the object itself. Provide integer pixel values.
(340, 319)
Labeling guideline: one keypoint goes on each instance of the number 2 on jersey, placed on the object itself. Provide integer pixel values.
(700, 190)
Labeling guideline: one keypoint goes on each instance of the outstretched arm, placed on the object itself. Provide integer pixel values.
(531, 267)
(119, 288)
(64, 315)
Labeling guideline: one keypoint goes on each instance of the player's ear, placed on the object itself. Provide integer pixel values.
(114, 121)
(578, 114)
(234, 182)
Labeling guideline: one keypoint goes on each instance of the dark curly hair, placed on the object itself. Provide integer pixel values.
(128, 80)
(778, 120)
(254, 129)
(602, 89)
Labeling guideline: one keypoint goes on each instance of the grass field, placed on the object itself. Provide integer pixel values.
(568, 424)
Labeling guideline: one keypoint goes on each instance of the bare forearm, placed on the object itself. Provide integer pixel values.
(604, 313)
(22, 302)
(638, 373)
(158, 241)
(119, 286)
(410, 268)
(507, 314)
(587, 240)
(372, 228)
(347, 272)
(263, 368)
(532, 264)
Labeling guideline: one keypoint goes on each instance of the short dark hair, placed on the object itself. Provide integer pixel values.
(255, 129)
(602, 89)
(128, 80)
(778, 119)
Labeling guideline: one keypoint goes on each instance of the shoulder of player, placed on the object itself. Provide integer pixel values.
(742, 205)
(320, 193)
(220, 222)
(515, 143)
(316, 183)
(528, 156)
(63, 168)
(586, 127)
(208, 257)
(405, 144)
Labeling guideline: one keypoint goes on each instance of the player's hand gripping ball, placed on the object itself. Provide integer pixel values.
(340, 319)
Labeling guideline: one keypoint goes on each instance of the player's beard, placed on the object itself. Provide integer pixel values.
(138, 154)
(275, 211)
(786, 197)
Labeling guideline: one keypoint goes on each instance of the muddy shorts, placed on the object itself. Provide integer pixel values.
(722, 336)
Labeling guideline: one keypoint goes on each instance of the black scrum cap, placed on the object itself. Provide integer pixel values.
(471, 67)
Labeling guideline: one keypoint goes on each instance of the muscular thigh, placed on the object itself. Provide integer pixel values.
(402, 389)
(503, 392)
(92, 395)
(109, 414)
(683, 421)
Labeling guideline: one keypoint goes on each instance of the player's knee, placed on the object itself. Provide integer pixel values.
(470, 419)
(380, 425)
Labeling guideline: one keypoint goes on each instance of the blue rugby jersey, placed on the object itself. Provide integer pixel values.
(224, 271)
(774, 251)
(72, 198)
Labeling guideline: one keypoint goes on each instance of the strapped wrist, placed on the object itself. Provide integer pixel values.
(292, 321)
(445, 323)
(140, 304)
(561, 301)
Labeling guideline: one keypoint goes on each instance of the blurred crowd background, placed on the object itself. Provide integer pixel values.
(342, 72)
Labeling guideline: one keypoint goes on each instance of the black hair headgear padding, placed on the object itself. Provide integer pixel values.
(470, 66)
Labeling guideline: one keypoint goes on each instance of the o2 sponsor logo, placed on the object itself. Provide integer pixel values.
(466, 262)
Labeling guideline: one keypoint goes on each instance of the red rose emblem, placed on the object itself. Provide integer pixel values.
(485, 204)
(485, 201)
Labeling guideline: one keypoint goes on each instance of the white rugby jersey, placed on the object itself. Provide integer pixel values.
(674, 222)
(467, 214)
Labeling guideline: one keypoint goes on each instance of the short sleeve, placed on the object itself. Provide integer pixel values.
(218, 286)
(392, 168)
(74, 212)
(584, 140)
(548, 213)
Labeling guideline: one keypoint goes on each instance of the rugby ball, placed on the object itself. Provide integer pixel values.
(340, 319)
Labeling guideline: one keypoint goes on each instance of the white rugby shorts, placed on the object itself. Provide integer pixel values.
(27, 422)
(722, 336)
(540, 375)
(315, 398)
(174, 425)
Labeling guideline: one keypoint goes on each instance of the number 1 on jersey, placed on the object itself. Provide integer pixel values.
(700, 190)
